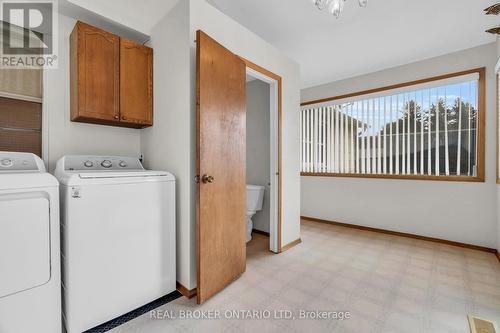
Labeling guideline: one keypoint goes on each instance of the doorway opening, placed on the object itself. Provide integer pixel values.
(263, 216)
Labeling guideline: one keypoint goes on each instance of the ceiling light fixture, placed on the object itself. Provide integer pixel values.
(336, 7)
(493, 10)
(494, 31)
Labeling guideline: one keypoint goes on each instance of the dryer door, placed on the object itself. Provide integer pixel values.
(24, 242)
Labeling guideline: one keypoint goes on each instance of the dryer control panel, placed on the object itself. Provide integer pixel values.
(20, 162)
(101, 163)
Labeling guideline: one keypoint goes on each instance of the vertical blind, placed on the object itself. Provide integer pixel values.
(20, 104)
(430, 129)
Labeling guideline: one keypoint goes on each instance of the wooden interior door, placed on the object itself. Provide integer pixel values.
(221, 166)
(95, 74)
(136, 83)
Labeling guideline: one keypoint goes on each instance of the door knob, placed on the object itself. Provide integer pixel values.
(207, 179)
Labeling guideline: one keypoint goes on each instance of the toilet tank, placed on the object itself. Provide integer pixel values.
(255, 197)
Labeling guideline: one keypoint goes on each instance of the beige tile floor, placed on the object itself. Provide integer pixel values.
(387, 283)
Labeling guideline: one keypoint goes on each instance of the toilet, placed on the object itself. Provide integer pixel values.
(255, 198)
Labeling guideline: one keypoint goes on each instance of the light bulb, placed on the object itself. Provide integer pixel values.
(336, 7)
(322, 4)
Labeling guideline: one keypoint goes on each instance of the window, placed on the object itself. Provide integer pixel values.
(20, 104)
(428, 129)
(21, 110)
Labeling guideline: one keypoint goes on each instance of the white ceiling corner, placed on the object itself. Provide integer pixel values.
(140, 15)
(386, 34)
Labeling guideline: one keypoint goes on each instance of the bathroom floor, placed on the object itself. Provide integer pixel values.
(257, 247)
(387, 283)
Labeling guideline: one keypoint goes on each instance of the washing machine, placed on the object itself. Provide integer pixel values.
(30, 280)
(118, 237)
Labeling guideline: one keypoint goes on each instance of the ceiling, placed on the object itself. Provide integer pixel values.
(386, 34)
(141, 15)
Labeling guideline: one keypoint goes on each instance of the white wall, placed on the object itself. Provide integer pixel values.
(259, 146)
(463, 212)
(168, 144)
(498, 187)
(60, 135)
(245, 43)
(141, 16)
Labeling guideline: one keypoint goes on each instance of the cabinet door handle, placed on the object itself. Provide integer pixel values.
(116, 117)
(124, 118)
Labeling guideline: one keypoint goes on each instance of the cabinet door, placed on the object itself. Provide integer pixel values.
(136, 84)
(95, 71)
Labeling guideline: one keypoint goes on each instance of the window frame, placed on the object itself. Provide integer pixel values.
(480, 177)
(497, 85)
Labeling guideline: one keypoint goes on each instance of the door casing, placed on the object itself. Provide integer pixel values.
(275, 86)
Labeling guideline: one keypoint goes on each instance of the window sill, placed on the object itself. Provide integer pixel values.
(401, 177)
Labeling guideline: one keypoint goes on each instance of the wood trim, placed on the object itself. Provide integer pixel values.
(278, 78)
(480, 131)
(482, 123)
(401, 234)
(498, 125)
(290, 245)
(401, 177)
(185, 291)
(260, 69)
(396, 86)
(498, 255)
(260, 232)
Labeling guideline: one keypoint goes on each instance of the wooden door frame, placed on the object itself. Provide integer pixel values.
(276, 79)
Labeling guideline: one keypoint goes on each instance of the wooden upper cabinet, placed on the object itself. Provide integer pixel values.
(136, 83)
(111, 79)
(95, 75)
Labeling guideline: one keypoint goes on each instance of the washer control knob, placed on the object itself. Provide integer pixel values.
(106, 164)
(123, 164)
(88, 164)
(6, 163)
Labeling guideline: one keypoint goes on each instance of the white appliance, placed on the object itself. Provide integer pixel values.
(255, 199)
(30, 275)
(118, 237)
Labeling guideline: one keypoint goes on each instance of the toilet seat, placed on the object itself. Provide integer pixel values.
(255, 198)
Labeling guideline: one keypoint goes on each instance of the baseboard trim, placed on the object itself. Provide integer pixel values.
(185, 291)
(290, 245)
(260, 232)
(403, 234)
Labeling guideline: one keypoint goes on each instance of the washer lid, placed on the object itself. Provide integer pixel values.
(113, 177)
(124, 174)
